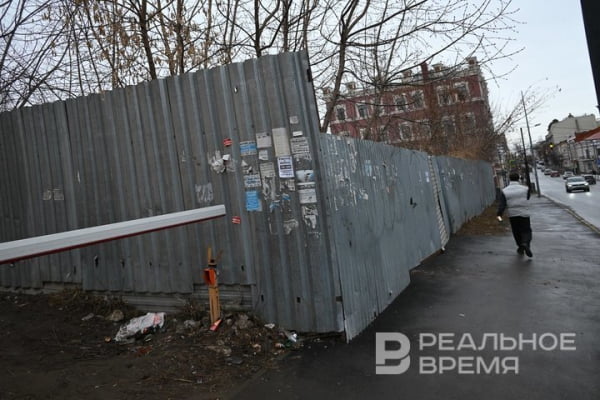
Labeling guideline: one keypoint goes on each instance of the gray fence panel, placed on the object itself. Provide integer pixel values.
(114, 140)
(203, 194)
(156, 148)
(78, 182)
(64, 199)
(383, 218)
(192, 258)
(10, 199)
(468, 188)
(12, 202)
(32, 191)
(148, 189)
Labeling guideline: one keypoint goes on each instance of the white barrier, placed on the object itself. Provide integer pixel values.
(56, 242)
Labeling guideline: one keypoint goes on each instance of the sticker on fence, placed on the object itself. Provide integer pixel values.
(267, 170)
(307, 196)
(252, 181)
(299, 145)
(253, 201)
(286, 167)
(248, 148)
(287, 184)
(309, 215)
(263, 140)
(305, 175)
(281, 142)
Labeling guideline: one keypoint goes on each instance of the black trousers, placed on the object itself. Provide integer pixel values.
(521, 229)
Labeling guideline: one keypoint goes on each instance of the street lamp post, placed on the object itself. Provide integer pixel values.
(537, 182)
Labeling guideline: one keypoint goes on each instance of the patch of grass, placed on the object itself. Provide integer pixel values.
(485, 224)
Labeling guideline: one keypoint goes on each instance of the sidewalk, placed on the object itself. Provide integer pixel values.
(479, 285)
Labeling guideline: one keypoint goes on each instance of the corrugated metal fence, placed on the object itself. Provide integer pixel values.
(320, 233)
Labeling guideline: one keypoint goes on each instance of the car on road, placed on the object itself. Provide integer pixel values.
(554, 174)
(547, 171)
(567, 174)
(576, 183)
(589, 179)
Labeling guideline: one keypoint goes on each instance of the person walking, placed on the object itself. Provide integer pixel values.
(515, 198)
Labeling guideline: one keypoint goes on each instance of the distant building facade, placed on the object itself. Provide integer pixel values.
(569, 143)
(569, 127)
(585, 150)
(440, 110)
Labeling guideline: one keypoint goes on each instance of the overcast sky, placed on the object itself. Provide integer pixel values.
(555, 59)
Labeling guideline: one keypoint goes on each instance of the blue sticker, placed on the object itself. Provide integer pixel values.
(252, 201)
(248, 148)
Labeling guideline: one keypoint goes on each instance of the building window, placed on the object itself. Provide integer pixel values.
(444, 96)
(406, 132)
(340, 112)
(462, 91)
(401, 103)
(418, 101)
(362, 110)
(424, 128)
(448, 126)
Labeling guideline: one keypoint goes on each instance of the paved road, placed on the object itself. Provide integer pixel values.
(585, 204)
(480, 285)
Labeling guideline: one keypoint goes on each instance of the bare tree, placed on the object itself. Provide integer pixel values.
(533, 99)
(92, 45)
(256, 27)
(27, 66)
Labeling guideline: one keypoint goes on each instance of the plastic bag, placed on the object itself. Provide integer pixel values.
(140, 326)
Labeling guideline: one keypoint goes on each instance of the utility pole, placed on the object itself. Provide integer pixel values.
(527, 178)
(537, 182)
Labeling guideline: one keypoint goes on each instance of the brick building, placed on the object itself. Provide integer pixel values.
(440, 110)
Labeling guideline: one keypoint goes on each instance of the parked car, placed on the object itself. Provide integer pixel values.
(589, 179)
(547, 171)
(554, 174)
(576, 183)
(567, 174)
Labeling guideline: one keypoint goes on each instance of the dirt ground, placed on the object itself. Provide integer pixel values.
(61, 346)
(486, 224)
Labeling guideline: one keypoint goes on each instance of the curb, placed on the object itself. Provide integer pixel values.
(573, 213)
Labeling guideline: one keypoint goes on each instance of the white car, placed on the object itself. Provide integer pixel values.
(567, 174)
(576, 183)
